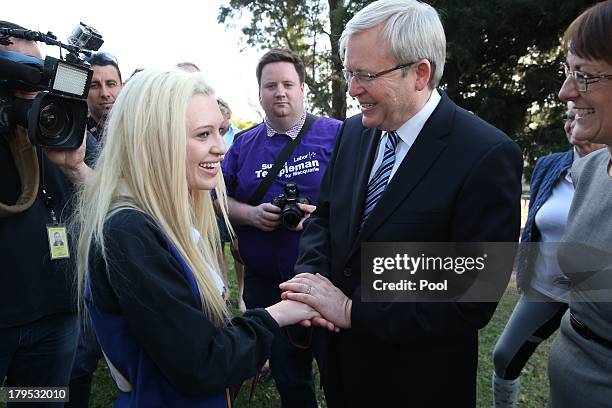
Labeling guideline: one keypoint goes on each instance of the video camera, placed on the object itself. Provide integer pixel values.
(57, 117)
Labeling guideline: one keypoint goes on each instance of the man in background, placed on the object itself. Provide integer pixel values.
(269, 249)
(104, 89)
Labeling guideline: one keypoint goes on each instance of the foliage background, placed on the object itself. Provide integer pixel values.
(503, 63)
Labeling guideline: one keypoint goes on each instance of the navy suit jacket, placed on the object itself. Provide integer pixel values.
(460, 182)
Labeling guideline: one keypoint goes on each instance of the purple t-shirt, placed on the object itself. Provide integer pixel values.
(272, 255)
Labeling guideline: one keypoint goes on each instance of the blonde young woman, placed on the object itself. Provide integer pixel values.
(148, 252)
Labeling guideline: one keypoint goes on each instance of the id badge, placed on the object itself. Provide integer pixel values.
(58, 241)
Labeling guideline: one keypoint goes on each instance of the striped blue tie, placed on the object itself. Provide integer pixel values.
(377, 185)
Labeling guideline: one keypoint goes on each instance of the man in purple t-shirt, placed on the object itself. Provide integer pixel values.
(269, 250)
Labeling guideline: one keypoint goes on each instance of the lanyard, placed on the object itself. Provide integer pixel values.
(48, 200)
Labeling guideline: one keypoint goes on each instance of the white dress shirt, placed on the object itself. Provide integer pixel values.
(407, 133)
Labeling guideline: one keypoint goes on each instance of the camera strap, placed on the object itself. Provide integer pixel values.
(280, 160)
(26, 162)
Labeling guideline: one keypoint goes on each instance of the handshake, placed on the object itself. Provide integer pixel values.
(312, 300)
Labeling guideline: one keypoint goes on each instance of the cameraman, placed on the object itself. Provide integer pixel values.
(268, 249)
(38, 321)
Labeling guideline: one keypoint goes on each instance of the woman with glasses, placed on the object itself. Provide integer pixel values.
(544, 296)
(148, 252)
(580, 361)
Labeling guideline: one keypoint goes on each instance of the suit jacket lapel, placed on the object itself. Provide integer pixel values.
(421, 156)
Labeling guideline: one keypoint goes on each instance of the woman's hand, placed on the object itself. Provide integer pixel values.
(288, 312)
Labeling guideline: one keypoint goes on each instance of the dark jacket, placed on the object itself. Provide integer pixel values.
(146, 310)
(32, 286)
(460, 182)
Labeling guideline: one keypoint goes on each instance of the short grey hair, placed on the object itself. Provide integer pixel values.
(412, 30)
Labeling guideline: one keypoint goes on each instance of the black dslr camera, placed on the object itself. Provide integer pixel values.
(57, 117)
(290, 212)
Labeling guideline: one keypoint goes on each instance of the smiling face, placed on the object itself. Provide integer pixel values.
(389, 100)
(582, 147)
(205, 146)
(593, 108)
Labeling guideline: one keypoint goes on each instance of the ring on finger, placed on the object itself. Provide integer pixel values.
(309, 289)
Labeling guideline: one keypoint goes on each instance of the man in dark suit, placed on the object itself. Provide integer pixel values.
(412, 167)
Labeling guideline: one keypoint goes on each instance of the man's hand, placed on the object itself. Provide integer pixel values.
(319, 293)
(307, 209)
(71, 162)
(265, 217)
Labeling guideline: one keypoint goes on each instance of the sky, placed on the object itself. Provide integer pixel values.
(155, 35)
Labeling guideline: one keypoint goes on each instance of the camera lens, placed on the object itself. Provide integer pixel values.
(291, 216)
(53, 120)
(56, 121)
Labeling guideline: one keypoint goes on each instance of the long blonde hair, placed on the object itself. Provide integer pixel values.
(145, 154)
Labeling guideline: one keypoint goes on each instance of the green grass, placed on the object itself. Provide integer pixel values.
(534, 381)
(534, 377)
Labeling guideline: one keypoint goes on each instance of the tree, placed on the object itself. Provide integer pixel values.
(503, 57)
(312, 29)
(504, 63)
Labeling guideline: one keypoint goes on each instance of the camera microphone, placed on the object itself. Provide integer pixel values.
(15, 71)
(56, 118)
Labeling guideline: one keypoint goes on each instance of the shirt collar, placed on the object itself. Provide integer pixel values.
(575, 155)
(292, 133)
(409, 131)
(94, 128)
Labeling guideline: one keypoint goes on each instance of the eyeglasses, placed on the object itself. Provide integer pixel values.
(365, 77)
(583, 80)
